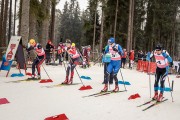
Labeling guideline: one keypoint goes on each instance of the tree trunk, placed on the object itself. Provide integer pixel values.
(14, 31)
(5, 18)
(32, 26)
(153, 29)
(10, 16)
(53, 10)
(174, 30)
(115, 22)
(132, 23)
(20, 16)
(102, 30)
(110, 29)
(129, 27)
(25, 21)
(45, 23)
(1, 20)
(134, 43)
(94, 35)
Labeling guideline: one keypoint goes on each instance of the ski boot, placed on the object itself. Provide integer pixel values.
(70, 81)
(32, 77)
(155, 95)
(160, 97)
(105, 89)
(38, 77)
(116, 88)
(66, 80)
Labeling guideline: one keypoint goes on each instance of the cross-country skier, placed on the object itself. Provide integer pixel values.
(49, 51)
(162, 58)
(131, 59)
(74, 59)
(123, 61)
(39, 51)
(60, 52)
(115, 50)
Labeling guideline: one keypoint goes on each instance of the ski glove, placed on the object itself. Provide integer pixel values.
(115, 49)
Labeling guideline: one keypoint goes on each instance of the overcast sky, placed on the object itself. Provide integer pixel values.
(82, 3)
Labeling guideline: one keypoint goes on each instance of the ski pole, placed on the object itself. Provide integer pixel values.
(171, 90)
(123, 80)
(80, 54)
(172, 86)
(149, 79)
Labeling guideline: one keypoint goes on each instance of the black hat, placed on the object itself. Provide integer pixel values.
(158, 47)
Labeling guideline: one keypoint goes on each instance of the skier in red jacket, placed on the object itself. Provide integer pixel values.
(74, 59)
(131, 59)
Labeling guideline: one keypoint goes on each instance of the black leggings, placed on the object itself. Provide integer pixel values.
(123, 62)
(110, 77)
(160, 76)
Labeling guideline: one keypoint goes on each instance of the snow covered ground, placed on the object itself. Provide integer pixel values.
(32, 101)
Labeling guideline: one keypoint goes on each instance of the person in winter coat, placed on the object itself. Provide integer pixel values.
(115, 51)
(74, 60)
(49, 50)
(131, 59)
(39, 51)
(162, 61)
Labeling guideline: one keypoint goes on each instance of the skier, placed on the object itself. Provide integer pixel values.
(84, 62)
(74, 59)
(123, 62)
(115, 50)
(140, 55)
(162, 58)
(131, 59)
(60, 52)
(86, 51)
(39, 51)
(49, 51)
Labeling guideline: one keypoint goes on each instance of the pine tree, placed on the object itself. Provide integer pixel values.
(65, 22)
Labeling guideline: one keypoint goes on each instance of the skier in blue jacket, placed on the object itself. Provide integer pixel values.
(115, 50)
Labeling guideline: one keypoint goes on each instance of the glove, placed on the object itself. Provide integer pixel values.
(115, 49)
(170, 64)
(167, 70)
